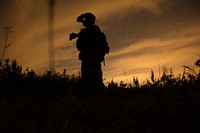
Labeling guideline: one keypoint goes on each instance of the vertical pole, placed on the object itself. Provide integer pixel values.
(51, 34)
(159, 71)
(6, 33)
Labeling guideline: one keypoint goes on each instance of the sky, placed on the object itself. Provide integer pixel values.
(143, 35)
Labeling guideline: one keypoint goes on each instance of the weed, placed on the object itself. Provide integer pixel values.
(31, 102)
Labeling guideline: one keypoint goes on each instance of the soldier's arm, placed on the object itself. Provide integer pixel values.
(73, 36)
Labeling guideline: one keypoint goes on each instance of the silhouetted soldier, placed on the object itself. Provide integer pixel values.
(92, 46)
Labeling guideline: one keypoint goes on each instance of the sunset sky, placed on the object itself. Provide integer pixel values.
(142, 35)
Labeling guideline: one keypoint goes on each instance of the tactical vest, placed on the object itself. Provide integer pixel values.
(92, 44)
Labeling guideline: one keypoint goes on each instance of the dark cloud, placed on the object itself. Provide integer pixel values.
(136, 25)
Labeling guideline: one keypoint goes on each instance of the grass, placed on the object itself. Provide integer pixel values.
(45, 103)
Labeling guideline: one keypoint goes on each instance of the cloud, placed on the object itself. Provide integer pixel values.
(136, 24)
(183, 39)
(174, 52)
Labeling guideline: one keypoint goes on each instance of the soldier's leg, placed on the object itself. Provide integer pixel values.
(91, 75)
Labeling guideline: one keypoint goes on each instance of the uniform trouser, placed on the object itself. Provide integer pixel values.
(91, 79)
(91, 72)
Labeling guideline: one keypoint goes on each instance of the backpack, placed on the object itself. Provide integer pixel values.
(101, 43)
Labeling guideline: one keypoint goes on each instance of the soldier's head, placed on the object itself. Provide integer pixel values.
(87, 19)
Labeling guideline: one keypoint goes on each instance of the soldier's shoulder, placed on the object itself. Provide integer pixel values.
(96, 27)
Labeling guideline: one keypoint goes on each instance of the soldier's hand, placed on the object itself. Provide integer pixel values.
(73, 36)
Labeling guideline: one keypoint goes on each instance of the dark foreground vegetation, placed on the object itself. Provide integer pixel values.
(46, 103)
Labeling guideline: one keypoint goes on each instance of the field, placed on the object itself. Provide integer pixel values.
(48, 103)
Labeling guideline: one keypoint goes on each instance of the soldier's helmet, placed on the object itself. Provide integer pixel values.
(87, 18)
